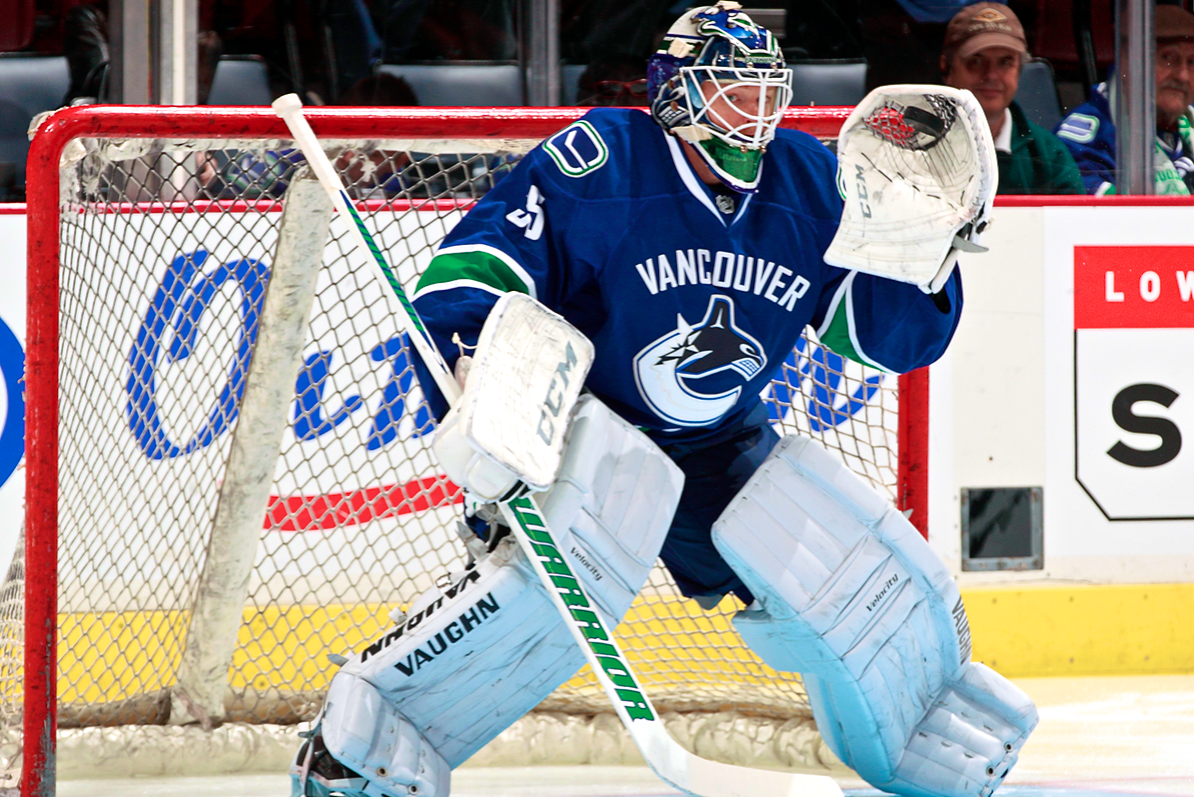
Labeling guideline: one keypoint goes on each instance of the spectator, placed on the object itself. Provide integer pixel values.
(901, 38)
(266, 175)
(85, 39)
(85, 44)
(1090, 133)
(984, 52)
(315, 48)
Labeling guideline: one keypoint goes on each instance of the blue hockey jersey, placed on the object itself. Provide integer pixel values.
(692, 299)
(1089, 133)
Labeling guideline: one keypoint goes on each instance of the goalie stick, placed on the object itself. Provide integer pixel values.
(663, 754)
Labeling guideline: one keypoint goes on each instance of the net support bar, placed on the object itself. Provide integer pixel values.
(912, 483)
(223, 587)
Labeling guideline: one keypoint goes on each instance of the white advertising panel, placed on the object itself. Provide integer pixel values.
(12, 369)
(156, 334)
(1119, 392)
(1114, 391)
(1072, 369)
(1133, 312)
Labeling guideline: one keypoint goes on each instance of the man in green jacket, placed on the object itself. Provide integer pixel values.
(984, 52)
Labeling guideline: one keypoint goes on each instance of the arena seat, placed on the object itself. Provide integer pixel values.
(29, 85)
(570, 82)
(465, 85)
(1037, 94)
(240, 80)
(828, 82)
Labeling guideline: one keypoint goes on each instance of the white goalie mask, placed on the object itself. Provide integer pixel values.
(719, 82)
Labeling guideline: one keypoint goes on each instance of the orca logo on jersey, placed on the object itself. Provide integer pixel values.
(687, 375)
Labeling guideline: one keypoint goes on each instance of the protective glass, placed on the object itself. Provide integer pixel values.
(615, 92)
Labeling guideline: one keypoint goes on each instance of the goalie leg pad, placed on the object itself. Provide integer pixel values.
(850, 595)
(384, 753)
(471, 659)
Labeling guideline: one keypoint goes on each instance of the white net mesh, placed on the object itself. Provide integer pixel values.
(166, 250)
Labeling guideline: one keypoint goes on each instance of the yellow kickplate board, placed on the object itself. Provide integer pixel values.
(111, 656)
(1111, 629)
(1019, 631)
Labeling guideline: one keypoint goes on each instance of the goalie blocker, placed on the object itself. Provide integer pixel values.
(507, 430)
(849, 594)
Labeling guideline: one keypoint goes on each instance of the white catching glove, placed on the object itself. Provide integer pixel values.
(918, 175)
(507, 430)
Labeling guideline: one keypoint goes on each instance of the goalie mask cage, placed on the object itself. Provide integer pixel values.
(228, 464)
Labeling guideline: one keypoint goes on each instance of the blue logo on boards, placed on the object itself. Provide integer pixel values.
(175, 316)
(309, 420)
(12, 437)
(170, 332)
(828, 406)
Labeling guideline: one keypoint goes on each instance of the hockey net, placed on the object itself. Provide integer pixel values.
(154, 236)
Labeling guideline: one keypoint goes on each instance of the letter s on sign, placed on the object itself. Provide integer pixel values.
(1122, 412)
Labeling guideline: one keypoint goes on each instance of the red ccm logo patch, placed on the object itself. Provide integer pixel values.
(1140, 287)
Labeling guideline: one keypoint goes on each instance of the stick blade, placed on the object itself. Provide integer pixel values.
(695, 775)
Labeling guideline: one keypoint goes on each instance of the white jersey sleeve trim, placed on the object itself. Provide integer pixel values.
(834, 304)
(454, 284)
(689, 177)
(513, 264)
(849, 299)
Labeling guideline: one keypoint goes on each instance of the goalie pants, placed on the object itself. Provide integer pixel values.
(715, 470)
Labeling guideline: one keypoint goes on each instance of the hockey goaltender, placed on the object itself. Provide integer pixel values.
(667, 263)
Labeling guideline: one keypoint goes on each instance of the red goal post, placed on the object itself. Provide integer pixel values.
(417, 127)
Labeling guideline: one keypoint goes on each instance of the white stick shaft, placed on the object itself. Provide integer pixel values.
(290, 108)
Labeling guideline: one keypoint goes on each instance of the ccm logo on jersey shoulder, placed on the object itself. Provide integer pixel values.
(577, 149)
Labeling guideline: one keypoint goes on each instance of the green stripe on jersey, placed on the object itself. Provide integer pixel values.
(482, 267)
(837, 336)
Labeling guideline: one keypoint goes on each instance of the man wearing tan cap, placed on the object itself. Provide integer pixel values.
(1090, 133)
(984, 51)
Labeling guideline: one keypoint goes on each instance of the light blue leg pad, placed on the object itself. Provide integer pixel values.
(849, 594)
(473, 657)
